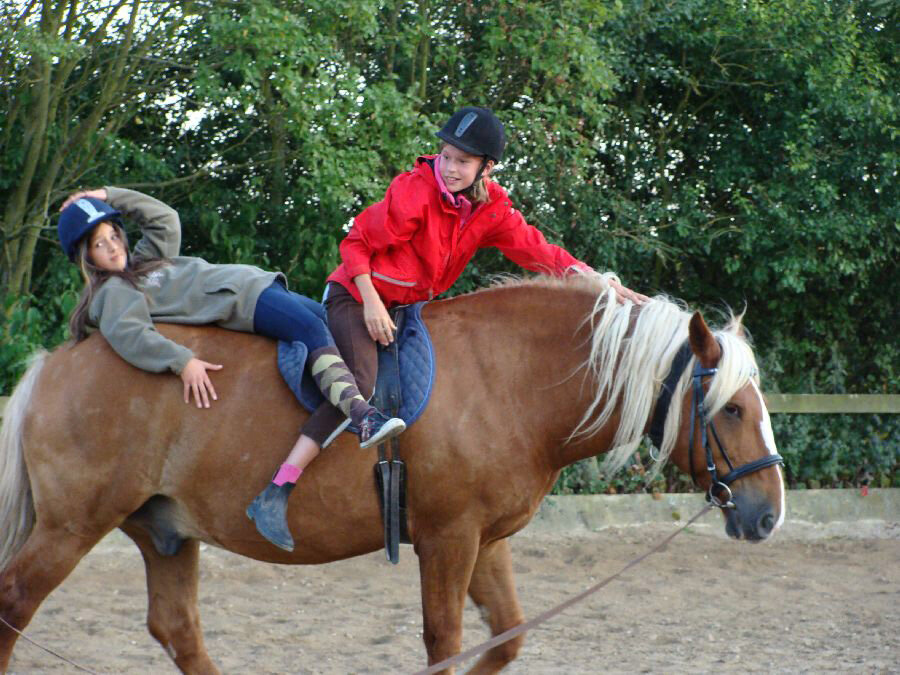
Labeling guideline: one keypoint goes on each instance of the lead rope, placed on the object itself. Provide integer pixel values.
(488, 644)
(46, 649)
(550, 613)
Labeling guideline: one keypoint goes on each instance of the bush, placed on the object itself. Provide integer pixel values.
(820, 451)
(36, 321)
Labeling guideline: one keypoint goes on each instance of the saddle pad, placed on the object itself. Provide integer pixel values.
(415, 355)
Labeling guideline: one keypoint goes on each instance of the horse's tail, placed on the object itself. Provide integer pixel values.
(16, 503)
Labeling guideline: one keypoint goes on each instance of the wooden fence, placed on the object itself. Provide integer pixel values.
(833, 403)
(798, 403)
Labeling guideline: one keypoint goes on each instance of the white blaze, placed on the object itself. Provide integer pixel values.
(765, 427)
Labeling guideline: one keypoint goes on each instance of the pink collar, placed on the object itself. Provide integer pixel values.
(463, 205)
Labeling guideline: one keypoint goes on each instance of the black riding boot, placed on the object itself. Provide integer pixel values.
(269, 512)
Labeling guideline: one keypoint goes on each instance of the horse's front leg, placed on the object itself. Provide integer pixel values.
(445, 567)
(494, 592)
(172, 614)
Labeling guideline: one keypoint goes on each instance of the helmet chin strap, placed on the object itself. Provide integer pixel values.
(478, 176)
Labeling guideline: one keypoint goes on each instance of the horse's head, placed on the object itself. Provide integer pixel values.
(659, 370)
(725, 438)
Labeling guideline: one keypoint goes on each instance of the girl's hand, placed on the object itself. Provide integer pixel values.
(378, 322)
(623, 294)
(96, 194)
(197, 381)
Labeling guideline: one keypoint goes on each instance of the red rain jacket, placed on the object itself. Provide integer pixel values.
(413, 244)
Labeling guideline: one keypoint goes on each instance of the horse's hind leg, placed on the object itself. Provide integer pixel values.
(493, 590)
(172, 614)
(46, 559)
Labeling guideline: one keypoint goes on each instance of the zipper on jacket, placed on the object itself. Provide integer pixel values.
(378, 275)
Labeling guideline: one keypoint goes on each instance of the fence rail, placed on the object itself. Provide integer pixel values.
(833, 403)
(797, 403)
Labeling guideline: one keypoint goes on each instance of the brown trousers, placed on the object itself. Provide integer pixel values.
(357, 348)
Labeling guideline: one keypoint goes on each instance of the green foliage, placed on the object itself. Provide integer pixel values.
(587, 477)
(820, 451)
(734, 152)
(34, 322)
(843, 451)
(757, 142)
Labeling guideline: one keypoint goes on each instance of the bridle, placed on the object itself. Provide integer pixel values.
(719, 493)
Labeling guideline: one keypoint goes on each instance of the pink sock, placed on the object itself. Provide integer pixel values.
(287, 473)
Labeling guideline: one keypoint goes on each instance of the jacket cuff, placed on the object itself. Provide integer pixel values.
(356, 270)
(181, 360)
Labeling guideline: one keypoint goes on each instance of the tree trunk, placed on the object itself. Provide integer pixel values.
(57, 139)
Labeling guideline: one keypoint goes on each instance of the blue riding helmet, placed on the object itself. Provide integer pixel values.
(79, 218)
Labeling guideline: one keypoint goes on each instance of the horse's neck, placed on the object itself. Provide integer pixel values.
(533, 342)
(552, 325)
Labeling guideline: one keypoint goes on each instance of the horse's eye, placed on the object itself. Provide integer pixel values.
(733, 410)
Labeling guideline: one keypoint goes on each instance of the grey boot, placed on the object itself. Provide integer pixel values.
(269, 512)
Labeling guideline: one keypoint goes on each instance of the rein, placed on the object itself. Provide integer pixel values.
(550, 613)
(719, 493)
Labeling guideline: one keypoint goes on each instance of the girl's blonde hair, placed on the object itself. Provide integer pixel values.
(94, 277)
(478, 192)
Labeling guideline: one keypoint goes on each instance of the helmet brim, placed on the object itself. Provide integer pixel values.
(465, 147)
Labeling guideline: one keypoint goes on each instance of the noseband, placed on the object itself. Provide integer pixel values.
(719, 494)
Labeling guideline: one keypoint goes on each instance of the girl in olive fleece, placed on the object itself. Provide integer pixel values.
(127, 291)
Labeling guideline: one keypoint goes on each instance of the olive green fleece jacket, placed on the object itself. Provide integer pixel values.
(185, 290)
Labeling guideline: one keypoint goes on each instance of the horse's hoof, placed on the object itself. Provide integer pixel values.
(269, 513)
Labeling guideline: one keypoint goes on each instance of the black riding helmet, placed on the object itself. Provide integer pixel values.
(476, 131)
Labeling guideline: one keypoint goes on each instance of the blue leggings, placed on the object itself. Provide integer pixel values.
(291, 317)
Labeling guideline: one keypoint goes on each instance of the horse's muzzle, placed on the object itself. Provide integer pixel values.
(752, 518)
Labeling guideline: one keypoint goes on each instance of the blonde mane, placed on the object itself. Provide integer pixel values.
(629, 359)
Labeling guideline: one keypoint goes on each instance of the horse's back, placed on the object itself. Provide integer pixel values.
(111, 437)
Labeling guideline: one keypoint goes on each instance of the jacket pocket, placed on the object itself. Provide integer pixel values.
(222, 287)
(225, 278)
(221, 283)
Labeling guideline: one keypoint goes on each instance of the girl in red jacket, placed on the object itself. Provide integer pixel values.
(414, 243)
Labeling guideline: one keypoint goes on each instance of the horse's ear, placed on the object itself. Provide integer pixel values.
(737, 323)
(703, 342)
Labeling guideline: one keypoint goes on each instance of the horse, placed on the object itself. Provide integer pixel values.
(533, 375)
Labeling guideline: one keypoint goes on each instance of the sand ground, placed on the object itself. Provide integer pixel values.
(816, 598)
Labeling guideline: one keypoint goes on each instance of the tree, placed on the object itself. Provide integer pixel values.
(756, 140)
(72, 74)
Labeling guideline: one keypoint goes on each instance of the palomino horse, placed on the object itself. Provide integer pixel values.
(532, 376)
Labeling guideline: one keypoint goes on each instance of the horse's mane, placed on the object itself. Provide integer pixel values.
(631, 355)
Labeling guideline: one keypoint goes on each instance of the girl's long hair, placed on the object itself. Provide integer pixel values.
(477, 192)
(94, 277)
